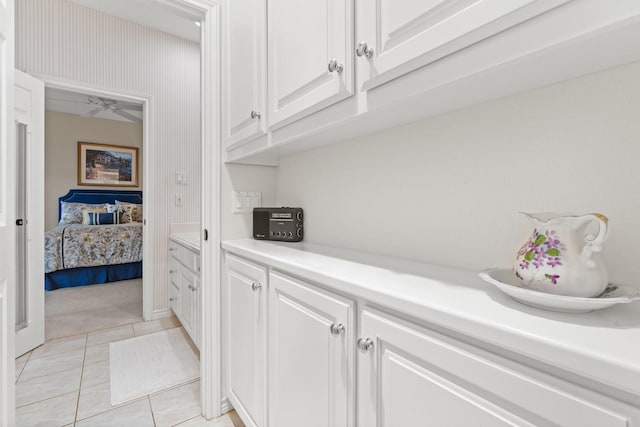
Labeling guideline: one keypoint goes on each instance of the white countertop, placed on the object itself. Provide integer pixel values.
(603, 346)
(191, 240)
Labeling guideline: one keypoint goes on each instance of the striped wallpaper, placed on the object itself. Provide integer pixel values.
(65, 41)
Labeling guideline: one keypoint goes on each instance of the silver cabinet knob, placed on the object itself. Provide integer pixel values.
(364, 345)
(337, 329)
(255, 114)
(256, 286)
(363, 49)
(335, 66)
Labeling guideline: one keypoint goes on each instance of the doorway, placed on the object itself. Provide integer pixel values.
(81, 298)
(209, 9)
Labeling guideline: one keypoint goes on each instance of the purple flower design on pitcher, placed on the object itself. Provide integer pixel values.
(540, 250)
(552, 277)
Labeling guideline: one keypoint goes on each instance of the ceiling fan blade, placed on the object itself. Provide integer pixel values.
(107, 102)
(94, 100)
(130, 107)
(127, 115)
(91, 113)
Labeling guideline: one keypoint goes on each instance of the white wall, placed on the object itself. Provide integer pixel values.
(448, 190)
(236, 177)
(65, 41)
(62, 133)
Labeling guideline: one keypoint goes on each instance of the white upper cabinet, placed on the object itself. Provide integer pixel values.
(310, 61)
(332, 70)
(244, 71)
(398, 36)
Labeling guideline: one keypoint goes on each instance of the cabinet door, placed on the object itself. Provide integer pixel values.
(246, 363)
(186, 301)
(244, 71)
(310, 363)
(410, 376)
(304, 37)
(408, 34)
(197, 311)
(174, 286)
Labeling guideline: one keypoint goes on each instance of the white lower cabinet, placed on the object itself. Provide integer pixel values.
(299, 354)
(246, 326)
(189, 288)
(311, 365)
(411, 376)
(184, 288)
(174, 286)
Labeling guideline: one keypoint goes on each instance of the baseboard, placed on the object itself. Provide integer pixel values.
(161, 314)
(225, 406)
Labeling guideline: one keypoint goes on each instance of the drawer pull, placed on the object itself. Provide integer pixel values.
(337, 329)
(256, 286)
(364, 345)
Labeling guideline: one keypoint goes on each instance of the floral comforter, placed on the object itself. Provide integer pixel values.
(77, 245)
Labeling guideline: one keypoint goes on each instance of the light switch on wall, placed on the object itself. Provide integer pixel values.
(245, 201)
(181, 178)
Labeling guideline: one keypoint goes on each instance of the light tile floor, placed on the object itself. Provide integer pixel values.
(65, 382)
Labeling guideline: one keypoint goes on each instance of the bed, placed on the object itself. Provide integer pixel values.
(78, 255)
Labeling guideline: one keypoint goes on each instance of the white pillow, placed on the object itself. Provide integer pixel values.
(71, 213)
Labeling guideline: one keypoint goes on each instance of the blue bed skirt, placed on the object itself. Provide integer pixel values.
(92, 275)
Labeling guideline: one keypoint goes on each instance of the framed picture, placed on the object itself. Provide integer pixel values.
(107, 165)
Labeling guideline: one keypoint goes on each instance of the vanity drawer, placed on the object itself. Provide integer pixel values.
(188, 258)
(173, 272)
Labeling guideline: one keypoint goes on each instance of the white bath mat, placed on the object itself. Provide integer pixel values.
(150, 363)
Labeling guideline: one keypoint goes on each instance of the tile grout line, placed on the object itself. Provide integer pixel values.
(112, 407)
(46, 375)
(75, 416)
(23, 366)
(153, 418)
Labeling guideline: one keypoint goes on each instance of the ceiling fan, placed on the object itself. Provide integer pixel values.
(98, 105)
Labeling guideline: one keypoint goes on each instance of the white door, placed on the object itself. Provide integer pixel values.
(407, 34)
(7, 218)
(412, 376)
(305, 37)
(246, 367)
(244, 71)
(310, 345)
(400, 385)
(29, 119)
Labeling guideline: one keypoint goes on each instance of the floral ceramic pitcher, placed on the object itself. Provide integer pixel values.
(560, 258)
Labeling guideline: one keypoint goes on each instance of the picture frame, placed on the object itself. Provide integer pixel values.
(107, 165)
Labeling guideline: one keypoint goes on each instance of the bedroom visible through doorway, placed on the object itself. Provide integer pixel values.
(94, 191)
